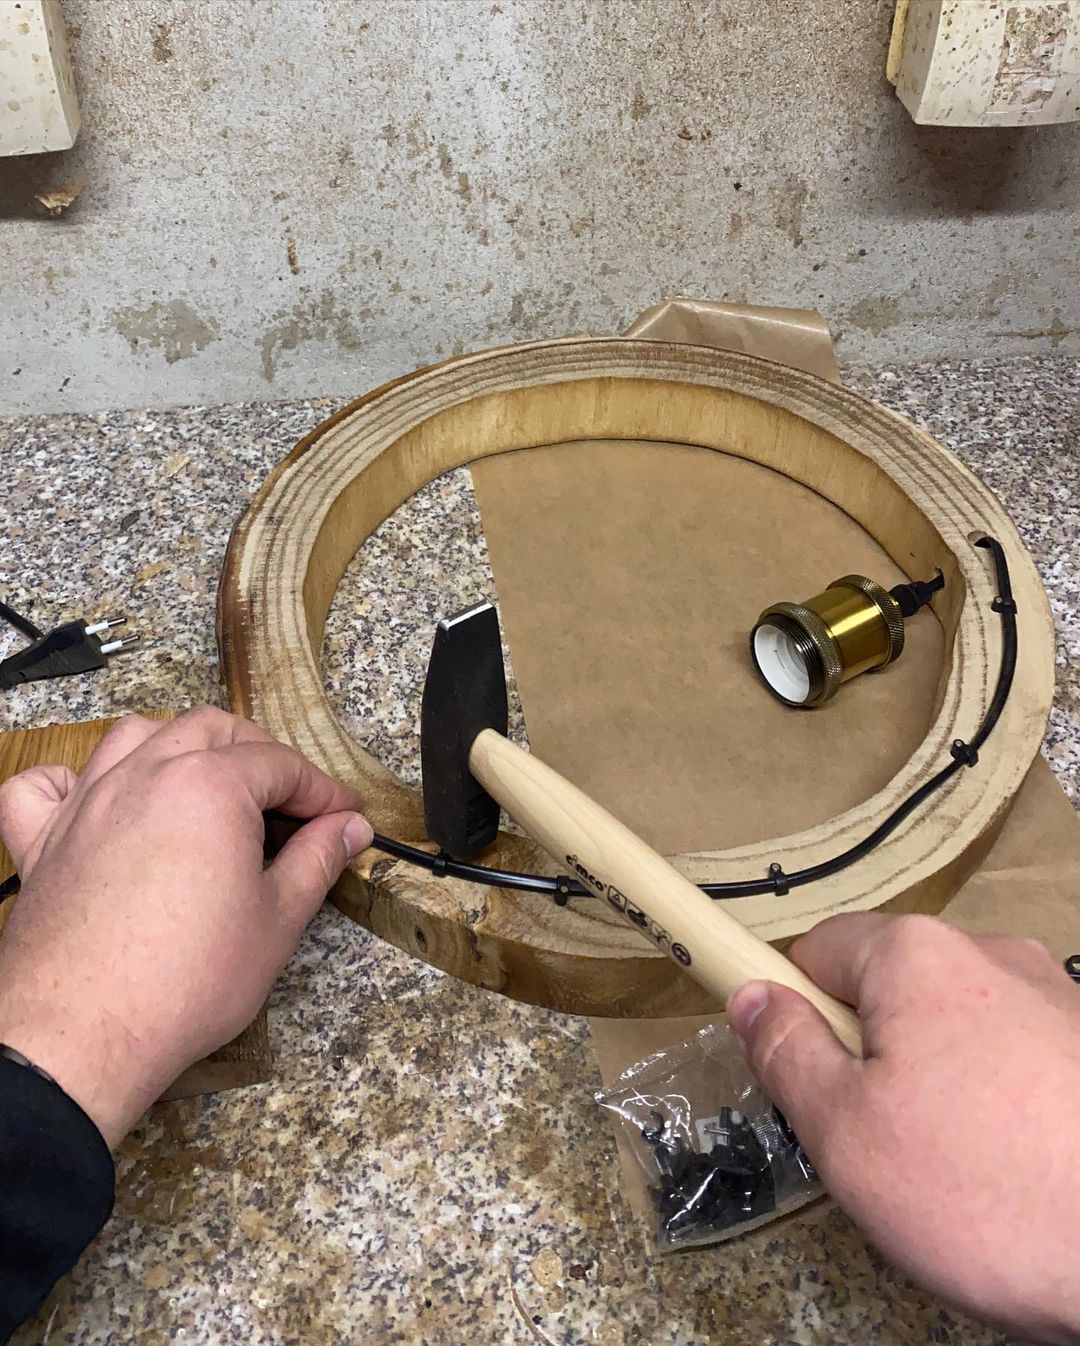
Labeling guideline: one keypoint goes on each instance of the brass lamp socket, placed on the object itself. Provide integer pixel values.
(806, 651)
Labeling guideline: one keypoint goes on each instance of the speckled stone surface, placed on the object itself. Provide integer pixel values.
(427, 1164)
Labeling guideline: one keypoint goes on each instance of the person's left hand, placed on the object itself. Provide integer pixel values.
(148, 931)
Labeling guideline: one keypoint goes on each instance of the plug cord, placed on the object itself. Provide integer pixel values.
(20, 623)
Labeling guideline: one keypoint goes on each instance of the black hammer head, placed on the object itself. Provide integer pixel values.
(465, 692)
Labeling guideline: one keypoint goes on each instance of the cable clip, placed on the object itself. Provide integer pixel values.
(1003, 605)
(964, 752)
(562, 889)
(780, 884)
(440, 863)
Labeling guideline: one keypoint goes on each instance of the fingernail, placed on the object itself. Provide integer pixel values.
(745, 1006)
(357, 836)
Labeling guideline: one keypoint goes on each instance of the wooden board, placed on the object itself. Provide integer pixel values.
(919, 503)
(245, 1060)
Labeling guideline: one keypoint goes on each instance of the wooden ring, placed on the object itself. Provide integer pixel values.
(290, 549)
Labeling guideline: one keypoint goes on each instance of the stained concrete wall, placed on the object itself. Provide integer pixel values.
(284, 197)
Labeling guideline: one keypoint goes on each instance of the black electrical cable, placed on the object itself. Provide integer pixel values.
(20, 623)
(963, 754)
(562, 887)
(461, 869)
(916, 594)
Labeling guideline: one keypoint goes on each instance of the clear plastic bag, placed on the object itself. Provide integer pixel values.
(717, 1157)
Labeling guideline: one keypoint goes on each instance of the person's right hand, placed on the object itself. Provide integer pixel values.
(955, 1143)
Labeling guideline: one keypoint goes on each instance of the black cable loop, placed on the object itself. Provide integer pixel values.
(964, 754)
(562, 888)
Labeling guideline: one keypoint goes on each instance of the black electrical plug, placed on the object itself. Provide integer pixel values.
(74, 647)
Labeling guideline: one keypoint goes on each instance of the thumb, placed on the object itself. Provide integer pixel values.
(800, 1063)
(28, 803)
(312, 860)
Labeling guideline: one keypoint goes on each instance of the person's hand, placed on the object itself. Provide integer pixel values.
(955, 1143)
(148, 932)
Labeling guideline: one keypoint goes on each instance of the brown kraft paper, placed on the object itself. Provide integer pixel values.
(790, 336)
(629, 576)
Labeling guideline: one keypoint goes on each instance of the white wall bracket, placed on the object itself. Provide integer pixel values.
(987, 62)
(38, 107)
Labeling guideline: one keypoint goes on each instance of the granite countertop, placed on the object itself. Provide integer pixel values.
(427, 1163)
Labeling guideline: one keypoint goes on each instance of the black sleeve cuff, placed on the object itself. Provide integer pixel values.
(56, 1189)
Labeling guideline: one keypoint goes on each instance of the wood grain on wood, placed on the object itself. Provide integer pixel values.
(245, 1060)
(918, 502)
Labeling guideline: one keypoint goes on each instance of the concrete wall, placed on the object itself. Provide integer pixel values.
(284, 197)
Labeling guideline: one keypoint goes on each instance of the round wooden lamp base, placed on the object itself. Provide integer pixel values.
(920, 504)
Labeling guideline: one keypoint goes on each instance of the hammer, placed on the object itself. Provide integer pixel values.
(471, 769)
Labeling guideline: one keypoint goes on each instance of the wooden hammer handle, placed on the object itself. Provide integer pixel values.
(716, 949)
